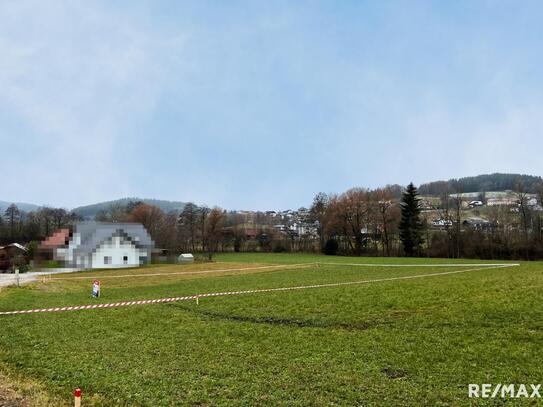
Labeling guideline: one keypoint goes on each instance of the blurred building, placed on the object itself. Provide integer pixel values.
(8, 253)
(101, 245)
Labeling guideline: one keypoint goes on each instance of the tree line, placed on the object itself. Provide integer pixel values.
(389, 221)
(484, 183)
(20, 226)
(373, 222)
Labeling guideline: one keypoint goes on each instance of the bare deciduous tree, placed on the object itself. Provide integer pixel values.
(150, 216)
(188, 222)
(213, 230)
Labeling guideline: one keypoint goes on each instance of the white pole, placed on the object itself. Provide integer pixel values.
(17, 277)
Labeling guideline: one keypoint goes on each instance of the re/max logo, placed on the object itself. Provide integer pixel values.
(504, 390)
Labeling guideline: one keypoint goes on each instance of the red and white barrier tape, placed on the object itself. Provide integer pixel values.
(425, 265)
(265, 290)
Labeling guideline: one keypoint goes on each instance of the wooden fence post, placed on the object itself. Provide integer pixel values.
(77, 397)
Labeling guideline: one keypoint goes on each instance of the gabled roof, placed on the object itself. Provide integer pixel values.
(57, 239)
(14, 245)
(93, 234)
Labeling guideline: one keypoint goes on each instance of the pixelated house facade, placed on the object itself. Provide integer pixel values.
(106, 245)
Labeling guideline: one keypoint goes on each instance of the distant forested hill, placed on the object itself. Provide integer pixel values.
(90, 211)
(22, 206)
(480, 183)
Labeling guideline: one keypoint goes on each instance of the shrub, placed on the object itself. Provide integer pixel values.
(24, 268)
(331, 247)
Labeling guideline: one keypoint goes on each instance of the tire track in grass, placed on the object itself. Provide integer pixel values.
(298, 323)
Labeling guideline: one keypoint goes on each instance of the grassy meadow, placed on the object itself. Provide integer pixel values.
(391, 343)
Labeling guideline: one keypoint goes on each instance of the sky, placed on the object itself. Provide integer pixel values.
(260, 105)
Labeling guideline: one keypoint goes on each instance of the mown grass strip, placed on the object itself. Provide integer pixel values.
(197, 296)
(281, 266)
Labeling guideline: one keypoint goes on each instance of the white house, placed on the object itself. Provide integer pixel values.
(474, 204)
(442, 222)
(107, 245)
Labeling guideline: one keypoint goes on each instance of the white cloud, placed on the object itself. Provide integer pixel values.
(78, 78)
(452, 145)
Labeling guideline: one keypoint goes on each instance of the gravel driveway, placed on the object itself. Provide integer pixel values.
(7, 279)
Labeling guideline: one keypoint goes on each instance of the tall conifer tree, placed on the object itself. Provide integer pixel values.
(411, 227)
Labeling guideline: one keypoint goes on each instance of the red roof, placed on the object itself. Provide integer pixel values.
(59, 238)
(250, 232)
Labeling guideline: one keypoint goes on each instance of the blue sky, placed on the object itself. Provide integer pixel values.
(260, 105)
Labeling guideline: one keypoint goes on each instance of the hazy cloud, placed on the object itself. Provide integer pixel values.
(262, 105)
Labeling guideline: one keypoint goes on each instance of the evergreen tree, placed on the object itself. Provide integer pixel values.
(12, 216)
(411, 227)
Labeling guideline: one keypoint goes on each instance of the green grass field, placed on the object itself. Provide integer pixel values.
(405, 342)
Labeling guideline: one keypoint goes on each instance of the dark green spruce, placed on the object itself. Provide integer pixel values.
(410, 224)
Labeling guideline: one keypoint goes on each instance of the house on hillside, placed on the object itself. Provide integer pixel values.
(534, 204)
(250, 233)
(475, 204)
(506, 201)
(426, 204)
(8, 253)
(106, 245)
(477, 223)
(442, 222)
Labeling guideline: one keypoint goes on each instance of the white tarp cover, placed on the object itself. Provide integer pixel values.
(185, 258)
